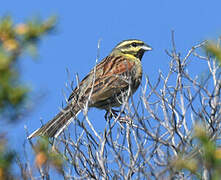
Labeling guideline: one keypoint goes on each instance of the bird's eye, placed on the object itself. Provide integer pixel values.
(134, 44)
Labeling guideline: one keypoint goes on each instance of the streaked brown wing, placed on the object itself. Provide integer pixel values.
(107, 79)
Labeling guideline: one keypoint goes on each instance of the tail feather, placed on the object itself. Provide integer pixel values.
(55, 126)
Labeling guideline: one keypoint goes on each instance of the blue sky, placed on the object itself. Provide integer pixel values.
(82, 23)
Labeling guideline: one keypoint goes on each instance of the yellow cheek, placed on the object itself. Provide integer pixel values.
(129, 56)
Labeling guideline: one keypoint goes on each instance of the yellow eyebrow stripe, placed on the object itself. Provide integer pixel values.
(128, 42)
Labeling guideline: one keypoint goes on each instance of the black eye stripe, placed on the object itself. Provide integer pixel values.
(134, 44)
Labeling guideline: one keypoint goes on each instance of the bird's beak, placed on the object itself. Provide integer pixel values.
(146, 47)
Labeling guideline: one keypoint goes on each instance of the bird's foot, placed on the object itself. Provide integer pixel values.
(122, 120)
(113, 113)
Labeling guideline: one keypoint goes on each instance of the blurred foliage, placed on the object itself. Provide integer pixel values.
(6, 159)
(15, 39)
(210, 154)
(205, 155)
(47, 156)
(214, 49)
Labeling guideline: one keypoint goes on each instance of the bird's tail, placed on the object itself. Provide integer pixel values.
(55, 126)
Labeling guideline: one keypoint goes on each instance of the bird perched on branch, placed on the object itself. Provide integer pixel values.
(118, 74)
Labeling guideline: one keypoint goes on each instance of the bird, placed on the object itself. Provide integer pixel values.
(104, 87)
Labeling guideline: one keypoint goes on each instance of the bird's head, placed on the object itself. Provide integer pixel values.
(131, 47)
